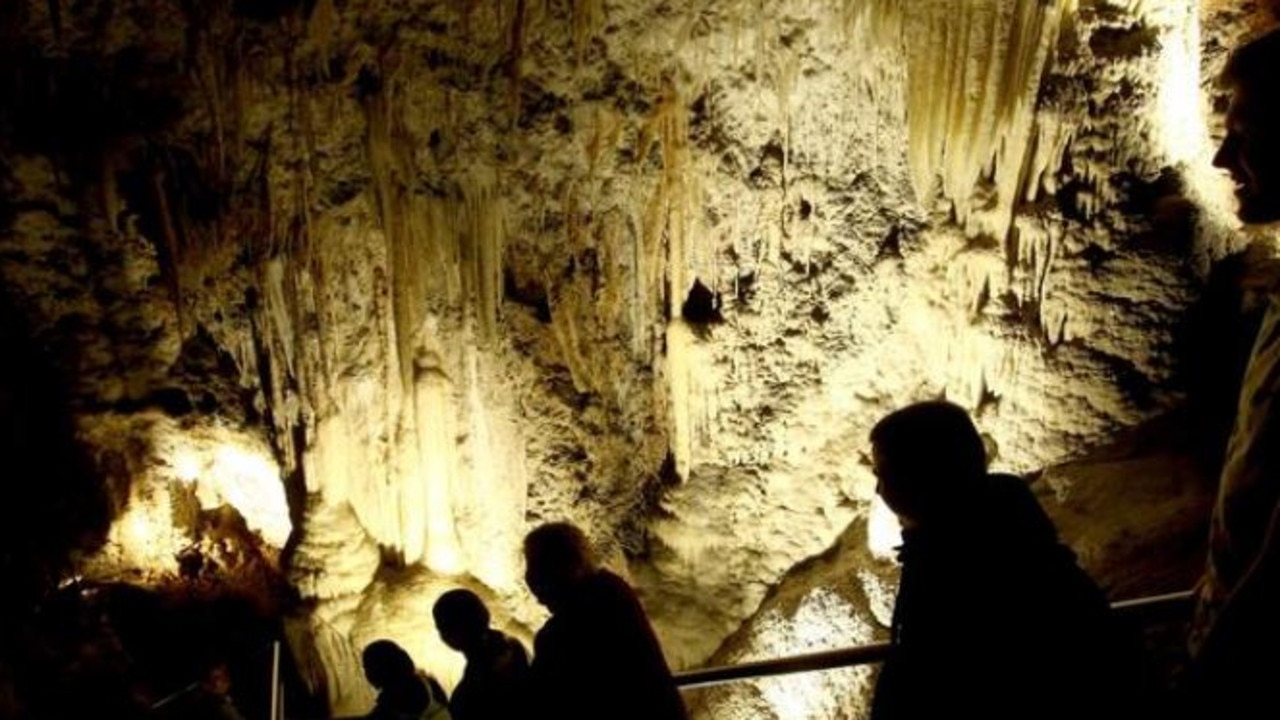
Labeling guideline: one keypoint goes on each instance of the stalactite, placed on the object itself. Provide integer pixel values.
(566, 300)
(974, 72)
(482, 242)
(565, 328)
(1036, 246)
(322, 27)
(280, 311)
(612, 306)
(668, 214)
(587, 18)
(787, 71)
(1053, 137)
(691, 397)
(515, 54)
(399, 223)
(491, 499)
(170, 242)
(606, 130)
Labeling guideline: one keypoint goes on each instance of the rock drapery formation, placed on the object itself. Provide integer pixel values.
(399, 280)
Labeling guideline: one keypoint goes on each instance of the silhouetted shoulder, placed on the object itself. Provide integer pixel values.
(606, 583)
(1011, 507)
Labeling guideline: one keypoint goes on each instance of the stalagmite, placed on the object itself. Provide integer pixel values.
(427, 504)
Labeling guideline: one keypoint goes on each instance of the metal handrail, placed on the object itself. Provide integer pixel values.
(873, 653)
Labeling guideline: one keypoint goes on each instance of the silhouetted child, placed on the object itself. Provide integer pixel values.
(493, 684)
(597, 657)
(404, 693)
(993, 617)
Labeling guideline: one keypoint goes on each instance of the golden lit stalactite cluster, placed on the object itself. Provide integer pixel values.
(445, 268)
(974, 72)
(1147, 139)
(448, 493)
(800, 183)
(993, 118)
(673, 240)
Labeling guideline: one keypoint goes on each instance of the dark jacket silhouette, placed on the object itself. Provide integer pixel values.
(404, 693)
(1236, 634)
(993, 618)
(493, 684)
(597, 657)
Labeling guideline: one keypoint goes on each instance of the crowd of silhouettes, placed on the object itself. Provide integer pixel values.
(993, 615)
(596, 656)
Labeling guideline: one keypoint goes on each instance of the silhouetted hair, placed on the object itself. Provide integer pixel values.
(1255, 64)
(462, 611)
(385, 662)
(930, 439)
(559, 545)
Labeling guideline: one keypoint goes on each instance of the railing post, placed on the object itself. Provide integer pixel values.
(275, 681)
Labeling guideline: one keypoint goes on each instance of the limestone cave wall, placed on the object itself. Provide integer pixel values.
(398, 280)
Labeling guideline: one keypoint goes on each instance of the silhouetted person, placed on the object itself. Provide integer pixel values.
(1236, 639)
(493, 685)
(993, 618)
(597, 657)
(212, 699)
(404, 693)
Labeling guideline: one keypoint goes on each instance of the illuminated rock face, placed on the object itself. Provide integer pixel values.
(456, 268)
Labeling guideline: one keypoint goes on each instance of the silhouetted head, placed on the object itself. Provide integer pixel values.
(556, 557)
(217, 678)
(926, 456)
(461, 619)
(385, 663)
(1251, 149)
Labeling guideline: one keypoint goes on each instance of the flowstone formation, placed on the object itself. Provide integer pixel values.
(399, 280)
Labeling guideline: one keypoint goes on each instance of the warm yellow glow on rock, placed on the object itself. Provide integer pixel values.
(1181, 120)
(823, 621)
(427, 507)
(489, 506)
(884, 533)
(692, 394)
(145, 536)
(468, 286)
(1183, 132)
(181, 469)
(187, 466)
(974, 69)
(228, 468)
(249, 480)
